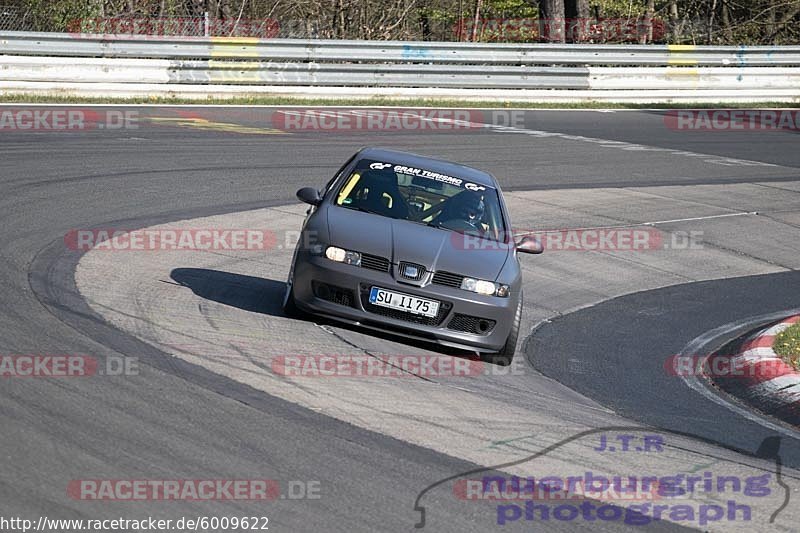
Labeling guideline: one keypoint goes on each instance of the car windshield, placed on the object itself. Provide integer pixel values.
(423, 196)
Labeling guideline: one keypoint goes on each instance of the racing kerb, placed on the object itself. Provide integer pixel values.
(764, 380)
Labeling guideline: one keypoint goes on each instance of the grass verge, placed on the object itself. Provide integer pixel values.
(411, 102)
(787, 345)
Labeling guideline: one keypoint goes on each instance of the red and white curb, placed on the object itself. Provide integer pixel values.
(762, 378)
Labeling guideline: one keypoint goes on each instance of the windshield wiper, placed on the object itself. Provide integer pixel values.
(431, 224)
(363, 210)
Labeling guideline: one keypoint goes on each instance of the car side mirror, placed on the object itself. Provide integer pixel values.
(309, 195)
(530, 245)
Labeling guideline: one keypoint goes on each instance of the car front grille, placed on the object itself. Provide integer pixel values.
(471, 324)
(448, 279)
(404, 268)
(444, 308)
(332, 293)
(375, 262)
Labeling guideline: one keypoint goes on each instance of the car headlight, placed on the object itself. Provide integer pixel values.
(487, 288)
(341, 255)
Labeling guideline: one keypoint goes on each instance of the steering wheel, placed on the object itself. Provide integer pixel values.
(459, 224)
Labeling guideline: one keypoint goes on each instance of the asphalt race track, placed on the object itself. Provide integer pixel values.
(204, 328)
(641, 393)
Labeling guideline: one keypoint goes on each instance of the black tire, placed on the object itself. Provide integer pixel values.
(290, 308)
(506, 353)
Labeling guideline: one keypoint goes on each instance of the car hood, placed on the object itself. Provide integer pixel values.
(401, 240)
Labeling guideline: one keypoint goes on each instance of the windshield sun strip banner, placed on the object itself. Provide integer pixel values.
(428, 174)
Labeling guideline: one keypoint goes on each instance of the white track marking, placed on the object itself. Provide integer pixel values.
(635, 224)
(622, 145)
(692, 219)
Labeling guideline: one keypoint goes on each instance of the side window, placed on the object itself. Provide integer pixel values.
(337, 175)
(494, 216)
(344, 197)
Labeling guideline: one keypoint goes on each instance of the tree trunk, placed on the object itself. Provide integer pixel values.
(725, 20)
(337, 16)
(551, 25)
(675, 25)
(225, 9)
(577, 13)
(425, 23)
(711, 13)
(476, 20)
(772, 19)
(646, 30)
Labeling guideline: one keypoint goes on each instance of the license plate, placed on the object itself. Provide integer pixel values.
(403, 302)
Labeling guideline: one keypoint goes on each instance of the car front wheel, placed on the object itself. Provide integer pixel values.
(506, 353)
(290, 308)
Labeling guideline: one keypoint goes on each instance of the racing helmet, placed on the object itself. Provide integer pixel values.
(469, 207)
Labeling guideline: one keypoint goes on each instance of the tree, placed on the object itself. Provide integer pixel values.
(738, 22)
(646, 36)
(551, 25)
(577, 12)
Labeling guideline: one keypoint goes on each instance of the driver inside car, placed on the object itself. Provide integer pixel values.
(463, 212)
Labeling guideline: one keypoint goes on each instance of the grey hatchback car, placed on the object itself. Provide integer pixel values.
(414, 246)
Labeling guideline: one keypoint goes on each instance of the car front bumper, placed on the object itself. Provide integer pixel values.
(341, 292)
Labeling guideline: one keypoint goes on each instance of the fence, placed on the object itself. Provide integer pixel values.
(188, 22)
(48, 61)
(12, 18)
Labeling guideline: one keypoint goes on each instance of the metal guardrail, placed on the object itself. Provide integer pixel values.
(326, 51)
(99, 70)
(205, 72)
(469, 77)
(83, 64)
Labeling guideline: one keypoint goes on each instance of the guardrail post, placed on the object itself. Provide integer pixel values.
(205, 24)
